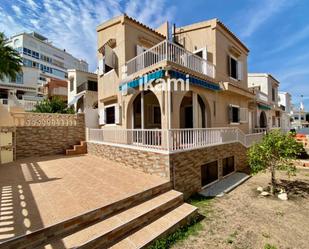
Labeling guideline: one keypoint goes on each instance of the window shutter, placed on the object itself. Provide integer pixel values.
(205, 53)
(239, 70)
(139, 49)
(244, 115)
(101, 66)
(117, 114)
(228, 65)
(102, 118)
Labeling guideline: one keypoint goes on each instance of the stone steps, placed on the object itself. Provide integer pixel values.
(161, 227)
(56, 232)
(135, 227)
(110, 231)
(78, 149)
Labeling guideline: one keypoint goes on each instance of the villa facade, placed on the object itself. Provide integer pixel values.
(173, 104)
(132, 55)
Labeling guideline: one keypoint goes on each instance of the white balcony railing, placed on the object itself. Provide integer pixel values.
(261, 96)
(174, 139)
(169, 51)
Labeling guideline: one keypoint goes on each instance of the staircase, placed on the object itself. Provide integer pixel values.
(133, 222)
(77, 149)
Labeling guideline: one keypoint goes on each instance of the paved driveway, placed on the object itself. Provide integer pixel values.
(38, 192)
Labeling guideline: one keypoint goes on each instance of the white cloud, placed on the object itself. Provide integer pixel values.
(16, 10)
(72, 24)
(32, 4)
(259, 14)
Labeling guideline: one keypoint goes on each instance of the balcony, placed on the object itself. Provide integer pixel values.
(59, 91)
(88, 85)
(170, 52)
(260, 96)
(172, 140)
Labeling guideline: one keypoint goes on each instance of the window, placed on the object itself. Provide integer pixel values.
(46, 69)
(209, 173)
(92, 85)
(228, 165)
(108, 61)
(58, 73)
(18, 79)
(273, 94)
(110, 115)
(235, 68)
(234, 114)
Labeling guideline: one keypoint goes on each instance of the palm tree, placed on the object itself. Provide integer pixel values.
(10, 60)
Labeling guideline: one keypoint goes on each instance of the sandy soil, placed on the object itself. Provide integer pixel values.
(243, 219)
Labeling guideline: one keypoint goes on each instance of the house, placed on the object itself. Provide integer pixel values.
(285, 103)
(82, 95)
(41, 61)
(56, 88)
(268, 112)
(130, 50)
(176, 105)
(298, 116)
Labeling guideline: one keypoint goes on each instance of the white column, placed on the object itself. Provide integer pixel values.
(169, 104)
(142, 111)
(195, 109)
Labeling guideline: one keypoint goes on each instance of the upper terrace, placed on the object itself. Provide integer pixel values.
(170, 52)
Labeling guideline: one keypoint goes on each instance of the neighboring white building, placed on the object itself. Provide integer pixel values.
(285, 103)
(299, 117)
(83, 95)
(268, 112)
(41, 60)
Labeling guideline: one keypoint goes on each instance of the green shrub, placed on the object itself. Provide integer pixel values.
(55, 105)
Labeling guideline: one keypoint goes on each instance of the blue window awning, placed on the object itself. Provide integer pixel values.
(195, 81)
(174, 74)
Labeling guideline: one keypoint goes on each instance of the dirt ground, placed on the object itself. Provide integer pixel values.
(244, 220)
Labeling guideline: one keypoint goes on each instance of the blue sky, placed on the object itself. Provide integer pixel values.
(276, 31)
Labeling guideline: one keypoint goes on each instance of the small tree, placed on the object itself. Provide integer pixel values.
(275, 151)
(55, 105)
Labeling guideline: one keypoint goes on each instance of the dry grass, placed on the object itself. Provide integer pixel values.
(244, 220)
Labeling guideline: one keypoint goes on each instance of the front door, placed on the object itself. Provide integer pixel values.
(189, 117)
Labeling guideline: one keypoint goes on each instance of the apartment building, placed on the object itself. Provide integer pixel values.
(265, 88)
(285, 103)
(41, 61)
(168, 98)
(82, 95)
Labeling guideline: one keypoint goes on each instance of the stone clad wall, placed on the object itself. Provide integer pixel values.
(49, 135)
(183, 168)
(186, 165)
(148, 162)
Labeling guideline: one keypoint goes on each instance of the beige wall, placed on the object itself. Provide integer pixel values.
(209, 34)
(219, 44)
